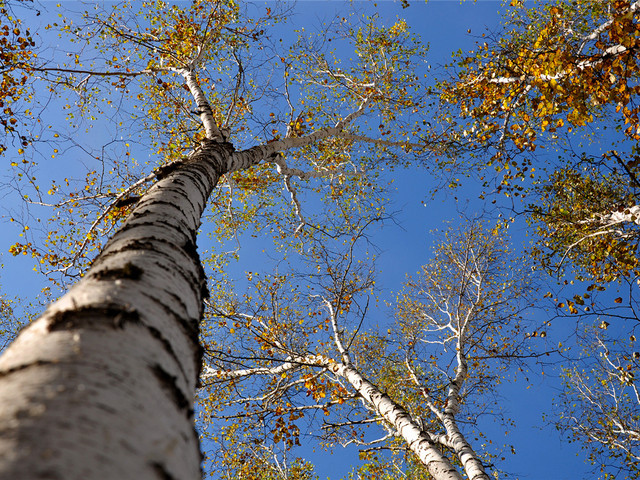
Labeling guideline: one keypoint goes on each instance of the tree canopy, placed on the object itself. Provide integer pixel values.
(217, 192)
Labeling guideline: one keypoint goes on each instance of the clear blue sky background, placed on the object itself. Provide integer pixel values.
(541, 453)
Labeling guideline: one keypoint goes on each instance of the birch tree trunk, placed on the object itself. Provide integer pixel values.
(101, 385)
(419, 442)
(468, 458)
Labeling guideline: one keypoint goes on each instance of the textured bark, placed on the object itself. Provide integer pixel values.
(628, 215)
(438, 466)
(101, 386)
(468, 458)
(455, 439)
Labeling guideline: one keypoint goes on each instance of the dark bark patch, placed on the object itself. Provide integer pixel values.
(165, 170)
(155, 333)
(113, 316)
(128, 271)
(127, 245)
(199, 355)
(19, 368)
(204, 290)
(170, 386)
(153, 213)
(48, 475)
(190, 326)
(161, 471)
(191, 249)
(125, 202)
(191, 329)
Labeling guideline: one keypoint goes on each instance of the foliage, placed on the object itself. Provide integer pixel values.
(600, 407)
(458, 331)
(461, 328)
(170, 75)
(267, 351)
(16, 47)
(559, 69)
(562, 72)
(588, 219)
(318, 130)
(9, 324)
(559, 65)
(332, 115)
(239, 458)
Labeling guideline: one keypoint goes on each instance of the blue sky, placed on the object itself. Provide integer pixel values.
(541, 453)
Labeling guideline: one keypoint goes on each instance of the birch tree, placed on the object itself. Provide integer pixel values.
(564, 76)
(102, 384)
(462, 327)
(290, 355)
(597, 407)
(294, 355)
(600, 405)
(561, 69)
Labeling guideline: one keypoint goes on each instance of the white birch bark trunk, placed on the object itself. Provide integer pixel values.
(101, 385)
(628, 215)
(466, 455)
(431, 457)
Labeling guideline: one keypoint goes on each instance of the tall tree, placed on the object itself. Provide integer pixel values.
(600, 405)
(564, 75)
(468, 303)
(102, 384)
(290, 353)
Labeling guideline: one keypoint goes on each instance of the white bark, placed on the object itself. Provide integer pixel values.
(204, 108)
(608, 224)
(466, 455)
(455, 439)
(628, 215)
(101, 386)
(612, 51)
(418, 441)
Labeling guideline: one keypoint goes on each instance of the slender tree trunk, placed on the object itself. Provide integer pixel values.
(466, 455)
(438, 466)
(468, 458)
(101, 385)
